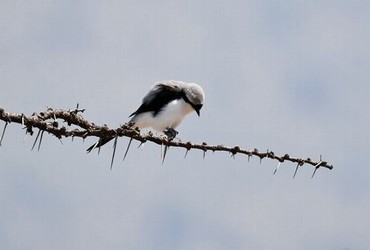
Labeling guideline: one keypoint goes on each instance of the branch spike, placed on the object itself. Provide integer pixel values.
(38, 148)
(296, 170)
(114, 150)
(37, 137)
(2, 135)
(314, 172)
(317, 167)
(186, 153)
(24, 138)
(141, 144)
(92, 147)
(128, 147)
(277, 167)
(164, 153)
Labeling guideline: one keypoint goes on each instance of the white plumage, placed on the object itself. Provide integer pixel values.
(164, 107)
(167, 103)
(170, 117)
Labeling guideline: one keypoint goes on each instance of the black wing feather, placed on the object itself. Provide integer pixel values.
(157, 98)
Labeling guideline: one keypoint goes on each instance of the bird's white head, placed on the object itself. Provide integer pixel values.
(195, 94)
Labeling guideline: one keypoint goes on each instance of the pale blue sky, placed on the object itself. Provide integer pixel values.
(288, 76)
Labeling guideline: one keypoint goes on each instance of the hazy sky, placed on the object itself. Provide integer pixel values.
(288, 76)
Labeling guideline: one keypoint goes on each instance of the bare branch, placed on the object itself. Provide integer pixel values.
(47, 121)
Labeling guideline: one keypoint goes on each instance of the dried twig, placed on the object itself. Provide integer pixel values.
(47, 122)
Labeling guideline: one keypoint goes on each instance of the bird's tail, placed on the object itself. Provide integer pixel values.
(98, 144)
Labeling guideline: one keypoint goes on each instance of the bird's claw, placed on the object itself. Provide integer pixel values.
(171, 133)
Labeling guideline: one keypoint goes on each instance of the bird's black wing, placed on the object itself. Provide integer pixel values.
(158, 97)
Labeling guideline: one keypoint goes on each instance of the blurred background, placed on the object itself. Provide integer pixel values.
(288, 76)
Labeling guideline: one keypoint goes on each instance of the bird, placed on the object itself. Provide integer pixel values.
(164, 107)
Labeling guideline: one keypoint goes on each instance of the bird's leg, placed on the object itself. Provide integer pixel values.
(170, 132)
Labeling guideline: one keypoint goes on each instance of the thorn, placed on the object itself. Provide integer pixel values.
(188, 147)
(277, 168)
(249, 157)
(314, 172)
(38, 148)
(164, 153)
(128, 147)
(141, 143)
(92, 146)
(296, 170)
(37, 136)
(261, 160)
(186, 153)
(316, 167)
(204, 154)
(2, 135)
(114, 151)
(25, 137)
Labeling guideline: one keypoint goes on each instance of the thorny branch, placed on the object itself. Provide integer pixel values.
(48, 121)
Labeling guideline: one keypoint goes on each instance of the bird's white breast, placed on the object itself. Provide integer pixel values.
(169, 117)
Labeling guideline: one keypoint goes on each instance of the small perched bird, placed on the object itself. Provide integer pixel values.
(164, 107)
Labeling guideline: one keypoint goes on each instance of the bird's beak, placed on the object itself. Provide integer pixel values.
(197, 108)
